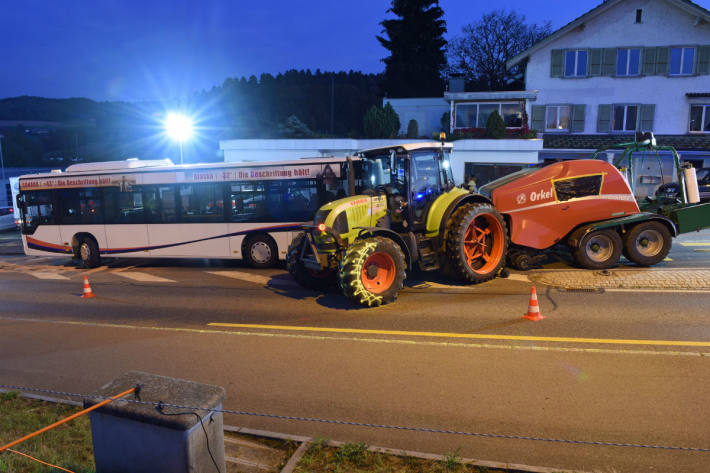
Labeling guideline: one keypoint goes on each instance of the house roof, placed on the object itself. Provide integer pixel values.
(687, 5)
(503, 95)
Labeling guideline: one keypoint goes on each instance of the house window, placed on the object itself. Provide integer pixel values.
(700, 118)
(576, 63)
(639, 14)
(682, 60)
(557, 117)
(475, 115)
(625, 117)
(627, 62)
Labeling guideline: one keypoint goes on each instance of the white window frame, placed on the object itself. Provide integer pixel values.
(558, 107)
(626, 116)
(704, 116)
(682, 56)
(626, 72)
(576, 63)
(478, 105)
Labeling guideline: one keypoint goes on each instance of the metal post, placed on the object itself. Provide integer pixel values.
(2, 170)
(180, 141)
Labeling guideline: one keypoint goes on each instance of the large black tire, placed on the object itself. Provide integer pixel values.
(599, 249)
(373, 271)
(260, 251)
(89, 253)
(647, 243)
(306, 277)
(476, 242)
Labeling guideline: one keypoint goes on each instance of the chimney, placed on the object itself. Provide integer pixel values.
(456, 83)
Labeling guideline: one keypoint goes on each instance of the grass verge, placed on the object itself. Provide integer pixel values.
(68, 445)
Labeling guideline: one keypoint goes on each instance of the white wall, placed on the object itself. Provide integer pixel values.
(465, 151)
(662, 25)
(426, 111)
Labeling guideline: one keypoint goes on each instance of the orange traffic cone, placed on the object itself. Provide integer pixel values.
(87, 289)
(533, 309)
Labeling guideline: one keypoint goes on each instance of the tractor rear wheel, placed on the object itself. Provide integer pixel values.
(307, 277)
(599, 249)
(476, 242)
(373, 271)
(647, 243)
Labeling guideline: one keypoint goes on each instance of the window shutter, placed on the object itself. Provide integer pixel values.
(649, 61)
(557, 62)
(577, 125)
(595, 62)
(604, 119)
(647, 114)
(703, 60)
(662, 55)
(609, 64)
(537, 121)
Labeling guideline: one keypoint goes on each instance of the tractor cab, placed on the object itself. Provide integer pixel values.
(411, 177)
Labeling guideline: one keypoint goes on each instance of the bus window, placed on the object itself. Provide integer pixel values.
(81, 206)
(130, 206)
(159, 203)
(37, 209)
(202, 202)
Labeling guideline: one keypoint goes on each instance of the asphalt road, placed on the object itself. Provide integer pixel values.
(620, 367)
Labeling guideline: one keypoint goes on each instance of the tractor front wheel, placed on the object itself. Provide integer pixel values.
(476, 242)
(307, 277)
(373, 271)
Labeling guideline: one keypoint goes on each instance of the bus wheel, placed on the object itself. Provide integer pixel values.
(476, 242)
(647, 243)
(89, 253)
(260, 251)
(307, 277)
(599, 249)
(372, 272)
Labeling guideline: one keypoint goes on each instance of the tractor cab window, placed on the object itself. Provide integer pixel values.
(426, 182)
(385, 172)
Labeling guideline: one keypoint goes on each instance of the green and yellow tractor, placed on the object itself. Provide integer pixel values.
(404, 211)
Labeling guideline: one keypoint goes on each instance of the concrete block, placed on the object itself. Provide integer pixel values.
(140, 438)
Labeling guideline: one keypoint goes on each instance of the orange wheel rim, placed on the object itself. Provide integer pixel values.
(483, 243)
(378, 272)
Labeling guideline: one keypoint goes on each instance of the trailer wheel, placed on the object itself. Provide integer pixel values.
(599, 249)
(307, 277)
(647, 243)
(373, 271)
(260, 251)
(476, 242)
(89, 253)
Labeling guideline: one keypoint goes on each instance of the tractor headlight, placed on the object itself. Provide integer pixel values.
(341, 223)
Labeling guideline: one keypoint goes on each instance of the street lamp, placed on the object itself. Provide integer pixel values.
(179, 128)
(2, 167)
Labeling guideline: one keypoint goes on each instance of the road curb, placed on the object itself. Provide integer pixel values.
(398, 452)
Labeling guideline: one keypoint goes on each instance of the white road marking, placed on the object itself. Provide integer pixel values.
(255, 278)
(143, 277)
(696, 243)
(651, 291)
(47, 275)
(518, 277)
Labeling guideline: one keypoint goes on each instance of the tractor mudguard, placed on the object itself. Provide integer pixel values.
(455, 204)
(408, 247)
(578, 233)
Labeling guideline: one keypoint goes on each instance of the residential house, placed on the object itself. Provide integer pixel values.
(623, 66)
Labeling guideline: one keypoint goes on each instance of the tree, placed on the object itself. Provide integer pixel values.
(412, 129)
(381, 122)
(417, 49)
(495, 126)
(480, 54)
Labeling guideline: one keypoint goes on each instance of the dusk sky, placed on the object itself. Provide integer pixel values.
(143, 49)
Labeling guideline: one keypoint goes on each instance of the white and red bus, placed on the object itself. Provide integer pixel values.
(155, 209)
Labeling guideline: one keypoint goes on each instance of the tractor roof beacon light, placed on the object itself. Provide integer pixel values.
(179, 128)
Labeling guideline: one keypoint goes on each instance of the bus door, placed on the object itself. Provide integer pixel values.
(39, 222)
(82, 210)
(199, 209)
(126, 229)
